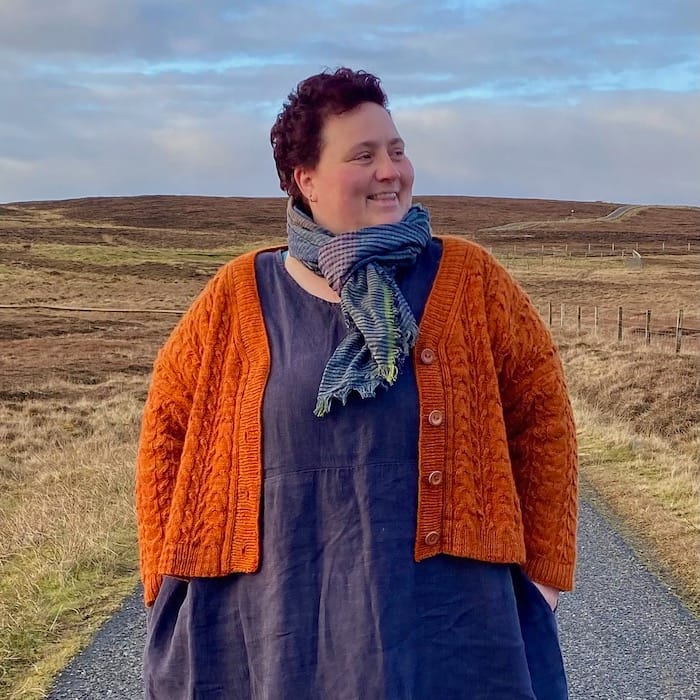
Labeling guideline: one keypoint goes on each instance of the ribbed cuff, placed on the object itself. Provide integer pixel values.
(556, 574)
(151, 586)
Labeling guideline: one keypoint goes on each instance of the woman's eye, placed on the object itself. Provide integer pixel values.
(363, 156)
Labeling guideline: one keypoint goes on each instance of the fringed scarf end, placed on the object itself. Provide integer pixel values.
(323, 406)
(367, 390)
(389, 373)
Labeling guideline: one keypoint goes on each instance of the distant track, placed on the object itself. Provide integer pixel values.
(621, 212)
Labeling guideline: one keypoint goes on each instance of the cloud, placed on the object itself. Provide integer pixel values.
(487, 91)
(642, 148)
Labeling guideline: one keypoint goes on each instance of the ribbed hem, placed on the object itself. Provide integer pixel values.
(501, 544)
(496, 547)
(182, 560)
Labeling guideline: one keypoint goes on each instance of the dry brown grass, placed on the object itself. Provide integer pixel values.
(67, 541)
(72, 385)
(638, 413)
(652, 493)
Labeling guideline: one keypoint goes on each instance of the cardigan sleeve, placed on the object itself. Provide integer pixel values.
(163, 428)
(540, 429)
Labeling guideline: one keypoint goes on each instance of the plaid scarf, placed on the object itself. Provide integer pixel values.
(360, 266)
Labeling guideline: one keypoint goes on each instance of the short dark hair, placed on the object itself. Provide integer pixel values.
(296, 133)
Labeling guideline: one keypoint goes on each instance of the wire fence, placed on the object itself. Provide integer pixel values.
(662, 331)
(634, 251)
(673, 333)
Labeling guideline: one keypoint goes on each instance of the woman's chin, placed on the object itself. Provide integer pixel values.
(389, 216)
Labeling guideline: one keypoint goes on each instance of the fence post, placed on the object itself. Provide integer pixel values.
(679, 330)
(595, 321)
(578, 320)
(561, 316)
(549, 313)
(647, 328)
(589, 250)
(619, 323)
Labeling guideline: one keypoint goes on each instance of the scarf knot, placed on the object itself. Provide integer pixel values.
(360, 266)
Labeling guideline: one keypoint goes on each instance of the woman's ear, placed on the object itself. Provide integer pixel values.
(305, 182)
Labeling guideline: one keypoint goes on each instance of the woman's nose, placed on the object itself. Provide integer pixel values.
(387, 169)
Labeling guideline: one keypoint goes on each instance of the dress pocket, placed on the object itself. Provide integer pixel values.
(166, 658)
(537, 593)
(538, 627)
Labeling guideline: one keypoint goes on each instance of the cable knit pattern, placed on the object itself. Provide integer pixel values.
(495, 421)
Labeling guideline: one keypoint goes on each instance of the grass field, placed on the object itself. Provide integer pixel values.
(72, 383)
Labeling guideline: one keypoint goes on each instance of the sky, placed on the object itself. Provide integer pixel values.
(559, 99)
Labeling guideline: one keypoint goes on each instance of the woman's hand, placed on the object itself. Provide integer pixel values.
(551, 595)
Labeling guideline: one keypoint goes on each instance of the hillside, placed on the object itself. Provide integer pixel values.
(210, 222)
(72, 382)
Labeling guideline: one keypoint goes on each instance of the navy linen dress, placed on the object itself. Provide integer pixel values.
(339, 609)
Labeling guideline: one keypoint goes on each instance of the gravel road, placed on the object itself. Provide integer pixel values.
(623, 634)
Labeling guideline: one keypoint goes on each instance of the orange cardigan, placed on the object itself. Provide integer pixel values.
(497, 473)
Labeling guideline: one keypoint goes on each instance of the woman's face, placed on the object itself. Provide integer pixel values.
(363, 177)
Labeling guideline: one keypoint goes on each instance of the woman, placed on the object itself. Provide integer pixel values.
(357, 451)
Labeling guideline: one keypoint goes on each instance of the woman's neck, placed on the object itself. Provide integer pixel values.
(309, 281)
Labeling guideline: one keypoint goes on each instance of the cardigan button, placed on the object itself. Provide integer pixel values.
(435, 418)
(435, 478)
(427, 356)
(432, 538)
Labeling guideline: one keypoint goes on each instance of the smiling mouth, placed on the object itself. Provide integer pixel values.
(384, 197)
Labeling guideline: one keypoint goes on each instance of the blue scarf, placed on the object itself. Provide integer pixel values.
(360, 266)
